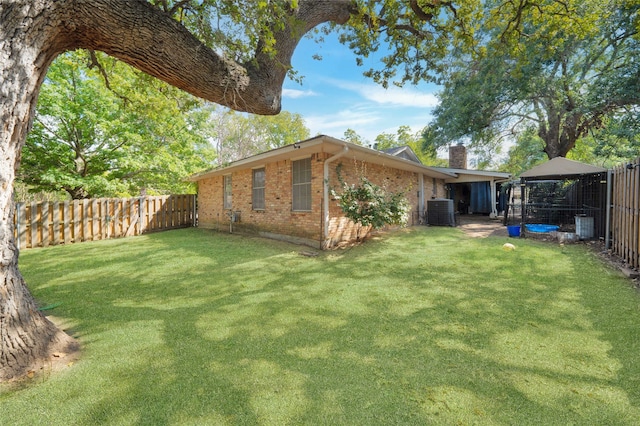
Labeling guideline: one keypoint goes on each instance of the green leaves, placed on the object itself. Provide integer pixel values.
(237, 135)
(370, 205)
(111, 131)
(559, 66)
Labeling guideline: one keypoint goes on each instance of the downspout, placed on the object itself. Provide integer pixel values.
(523, 207)
(421, 199)
(325, 232)
(607, 225)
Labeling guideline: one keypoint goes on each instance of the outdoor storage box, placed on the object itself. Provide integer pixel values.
(584, 227)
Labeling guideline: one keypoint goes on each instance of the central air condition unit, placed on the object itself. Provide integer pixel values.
(440, 212)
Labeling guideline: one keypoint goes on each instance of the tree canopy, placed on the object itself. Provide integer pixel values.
(236, 135)
(565, 80)
(107, 130)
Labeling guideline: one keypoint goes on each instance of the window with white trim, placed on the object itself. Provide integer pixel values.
(257, 198)
(226, 194)
(301, 182)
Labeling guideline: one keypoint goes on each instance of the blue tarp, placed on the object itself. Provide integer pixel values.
(480, 197)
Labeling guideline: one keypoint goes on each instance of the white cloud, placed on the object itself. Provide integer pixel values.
(406, 96)
(335, 124)
(402, 97)
(296, 94)
(366, 108)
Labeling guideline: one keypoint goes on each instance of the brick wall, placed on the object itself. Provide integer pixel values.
(433, 188)
(278, 217)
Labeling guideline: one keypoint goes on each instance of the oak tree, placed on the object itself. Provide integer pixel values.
(244, 72)
(109, 131)
(237, 135)
(565, 80)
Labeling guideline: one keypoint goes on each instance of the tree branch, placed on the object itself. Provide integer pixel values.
(145, 37)
(93, 62)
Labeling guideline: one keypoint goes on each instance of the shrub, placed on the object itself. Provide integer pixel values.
(368, 204)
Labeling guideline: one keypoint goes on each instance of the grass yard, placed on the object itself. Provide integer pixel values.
(424, 326)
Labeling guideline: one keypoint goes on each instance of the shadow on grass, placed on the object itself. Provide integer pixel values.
(422, 327)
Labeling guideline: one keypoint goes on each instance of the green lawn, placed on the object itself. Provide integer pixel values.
(424, 326)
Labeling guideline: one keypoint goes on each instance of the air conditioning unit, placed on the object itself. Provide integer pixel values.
(440, 212)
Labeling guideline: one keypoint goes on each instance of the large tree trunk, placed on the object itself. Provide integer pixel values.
(560, 131)
(33, 33)
(27, 338)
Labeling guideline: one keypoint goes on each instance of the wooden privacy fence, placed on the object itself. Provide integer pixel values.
(625, 212)
(52, 223)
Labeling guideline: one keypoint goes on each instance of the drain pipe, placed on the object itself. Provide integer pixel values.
(421, 199)
(607, 226)
(325, 235)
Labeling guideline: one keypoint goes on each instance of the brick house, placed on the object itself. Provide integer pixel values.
(285, 193)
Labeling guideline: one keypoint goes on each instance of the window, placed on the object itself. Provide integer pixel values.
(258, 189)
(227, 192)
(301, 185)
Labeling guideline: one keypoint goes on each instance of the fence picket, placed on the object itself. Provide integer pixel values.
(625, 209)
(34, 224)
(45, 224)
(55, 216)
(66, 219)
(21, 225)
(53, 223)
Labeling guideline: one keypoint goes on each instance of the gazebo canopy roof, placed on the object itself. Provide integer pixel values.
(560, 167)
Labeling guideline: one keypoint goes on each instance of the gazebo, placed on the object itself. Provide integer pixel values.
(567, 194)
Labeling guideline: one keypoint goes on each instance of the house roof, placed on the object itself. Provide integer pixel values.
(328, 145)
(560, 167)
(466, 175)
(404, 151)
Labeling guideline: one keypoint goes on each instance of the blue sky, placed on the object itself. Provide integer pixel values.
(335, 96)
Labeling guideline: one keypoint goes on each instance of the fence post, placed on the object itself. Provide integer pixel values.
(45, 224)
(21, 226)
(34, 224)
(194, 210)
(141, 215)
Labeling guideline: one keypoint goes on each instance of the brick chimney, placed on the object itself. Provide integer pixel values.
(457, 157)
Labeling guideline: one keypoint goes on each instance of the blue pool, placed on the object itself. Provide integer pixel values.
(536, 227)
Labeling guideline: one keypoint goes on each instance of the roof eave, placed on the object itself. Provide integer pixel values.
(302, 148)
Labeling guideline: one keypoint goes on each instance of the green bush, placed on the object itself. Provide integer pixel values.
(368, 204)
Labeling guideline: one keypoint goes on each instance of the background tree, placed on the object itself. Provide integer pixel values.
(236, 135)
(527, 152)
(111, 131)
(404, 136)
(565, 80)
(429, 148)
(350, 135)
(616, 142)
